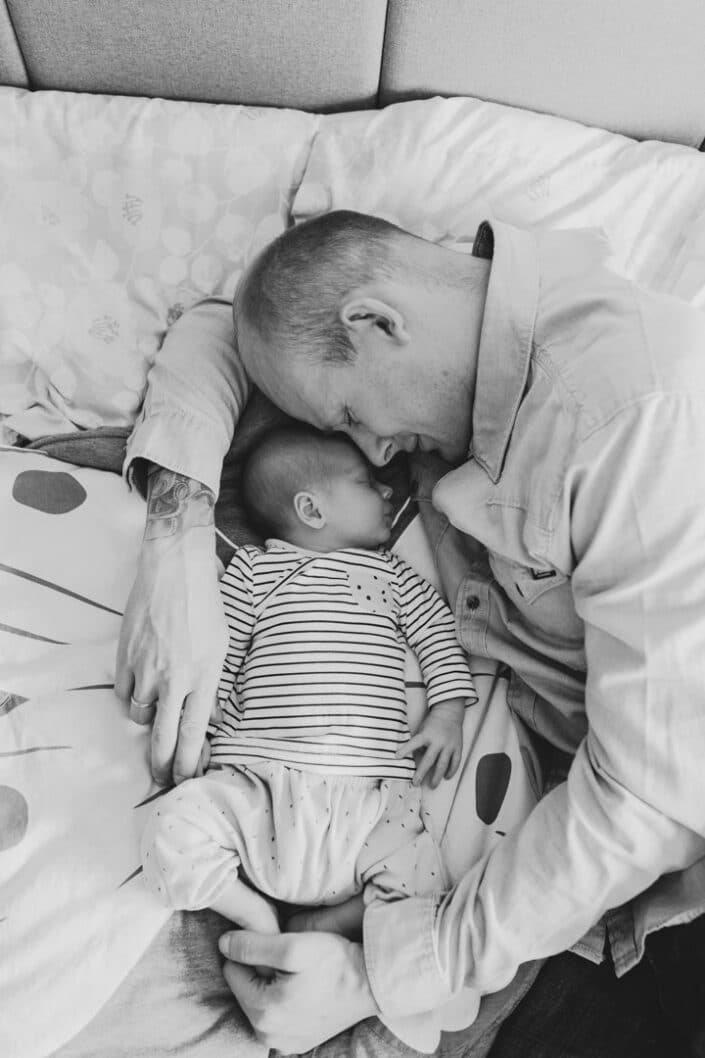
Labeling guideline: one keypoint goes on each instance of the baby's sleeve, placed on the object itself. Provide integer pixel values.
(428, 627)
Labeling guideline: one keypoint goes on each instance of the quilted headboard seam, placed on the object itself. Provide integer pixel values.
(385, 38)
(13, 69)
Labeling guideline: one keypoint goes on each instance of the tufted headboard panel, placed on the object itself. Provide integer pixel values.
(310, 54)
(623, 65)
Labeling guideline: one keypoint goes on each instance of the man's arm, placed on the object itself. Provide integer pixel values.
(196, 391)
(173, 636)
(632, 807)
(175, 503)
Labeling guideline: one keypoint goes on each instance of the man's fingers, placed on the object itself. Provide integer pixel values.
(142, 712)
(204, 759)
(165, 732)
(124, 678)
(143, 701)
(194, 721)
(253, 993)
(289, 952)
(247, 987)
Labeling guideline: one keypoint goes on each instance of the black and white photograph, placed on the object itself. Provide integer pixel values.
(352, 529)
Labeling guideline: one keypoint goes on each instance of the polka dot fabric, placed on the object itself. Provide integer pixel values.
(74, 769)
(117, 214)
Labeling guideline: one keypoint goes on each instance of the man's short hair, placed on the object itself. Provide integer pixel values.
(292, 293)
(284, 461)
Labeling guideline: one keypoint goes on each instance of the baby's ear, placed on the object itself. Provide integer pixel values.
(308, 510)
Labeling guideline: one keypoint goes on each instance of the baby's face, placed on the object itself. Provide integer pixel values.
(358, 508)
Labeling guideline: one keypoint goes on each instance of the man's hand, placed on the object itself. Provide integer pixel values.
(173, 636)
(319, 986)
(439, 740)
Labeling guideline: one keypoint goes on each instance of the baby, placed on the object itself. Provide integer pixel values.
(311, 796)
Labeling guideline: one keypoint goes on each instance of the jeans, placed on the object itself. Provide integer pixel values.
(578, 1010)
(575, 1009)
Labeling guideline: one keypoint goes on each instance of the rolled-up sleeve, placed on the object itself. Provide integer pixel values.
(196, 391)
(633, 807)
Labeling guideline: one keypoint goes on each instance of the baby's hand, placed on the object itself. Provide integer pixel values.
(441, 739)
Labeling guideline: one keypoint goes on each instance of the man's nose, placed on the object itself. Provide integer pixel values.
(379, 450)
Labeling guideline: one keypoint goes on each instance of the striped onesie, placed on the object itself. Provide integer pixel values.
(303, 791)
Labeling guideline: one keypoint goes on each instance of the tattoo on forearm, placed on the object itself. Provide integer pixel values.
(175, 502)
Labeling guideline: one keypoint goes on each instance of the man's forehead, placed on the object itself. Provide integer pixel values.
(303, 389)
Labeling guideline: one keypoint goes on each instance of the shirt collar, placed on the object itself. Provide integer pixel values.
(505, 339)
(274, 543)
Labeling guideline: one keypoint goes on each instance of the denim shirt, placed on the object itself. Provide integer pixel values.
(571, 544)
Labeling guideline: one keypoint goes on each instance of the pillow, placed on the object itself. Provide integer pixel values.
(439, 167)
(117, 214)
(74, 767)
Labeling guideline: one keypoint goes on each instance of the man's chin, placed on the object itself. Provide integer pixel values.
(449, 453)
(452, 454)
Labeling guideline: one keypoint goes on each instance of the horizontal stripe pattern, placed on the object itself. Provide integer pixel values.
(314, 672)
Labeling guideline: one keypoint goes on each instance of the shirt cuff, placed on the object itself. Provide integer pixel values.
(400, 956)
(467, 693)
(178, 442)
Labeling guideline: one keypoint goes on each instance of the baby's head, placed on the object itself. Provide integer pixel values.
(315, 490)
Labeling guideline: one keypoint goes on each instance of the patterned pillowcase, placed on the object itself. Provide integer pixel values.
(116, 215)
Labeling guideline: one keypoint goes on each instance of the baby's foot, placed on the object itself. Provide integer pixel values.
(310, 919)
(247, 908)
(345, 919)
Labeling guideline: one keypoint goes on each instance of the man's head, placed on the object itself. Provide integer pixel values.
(315, 490)
(350, 323)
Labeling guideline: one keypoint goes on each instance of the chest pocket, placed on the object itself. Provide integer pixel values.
(371, 591)
(531, 582)
(543, 596)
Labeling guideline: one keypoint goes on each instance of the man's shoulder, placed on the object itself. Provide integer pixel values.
(605, 344)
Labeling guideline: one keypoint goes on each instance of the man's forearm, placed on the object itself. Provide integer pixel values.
(176, 503)
(197, 390)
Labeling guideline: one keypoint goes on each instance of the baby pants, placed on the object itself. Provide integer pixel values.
(297, 836)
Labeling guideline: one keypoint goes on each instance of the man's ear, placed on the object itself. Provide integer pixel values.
(362, 314)
(308, 510)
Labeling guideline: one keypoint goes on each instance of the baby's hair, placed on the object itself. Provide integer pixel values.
(282, 462)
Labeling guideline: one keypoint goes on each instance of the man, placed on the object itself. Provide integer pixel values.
(571, 537)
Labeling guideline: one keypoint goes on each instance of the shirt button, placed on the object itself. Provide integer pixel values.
(472, 602)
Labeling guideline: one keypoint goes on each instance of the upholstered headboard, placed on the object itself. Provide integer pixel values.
(624, 65)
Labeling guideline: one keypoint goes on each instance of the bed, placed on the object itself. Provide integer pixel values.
(147, 151)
